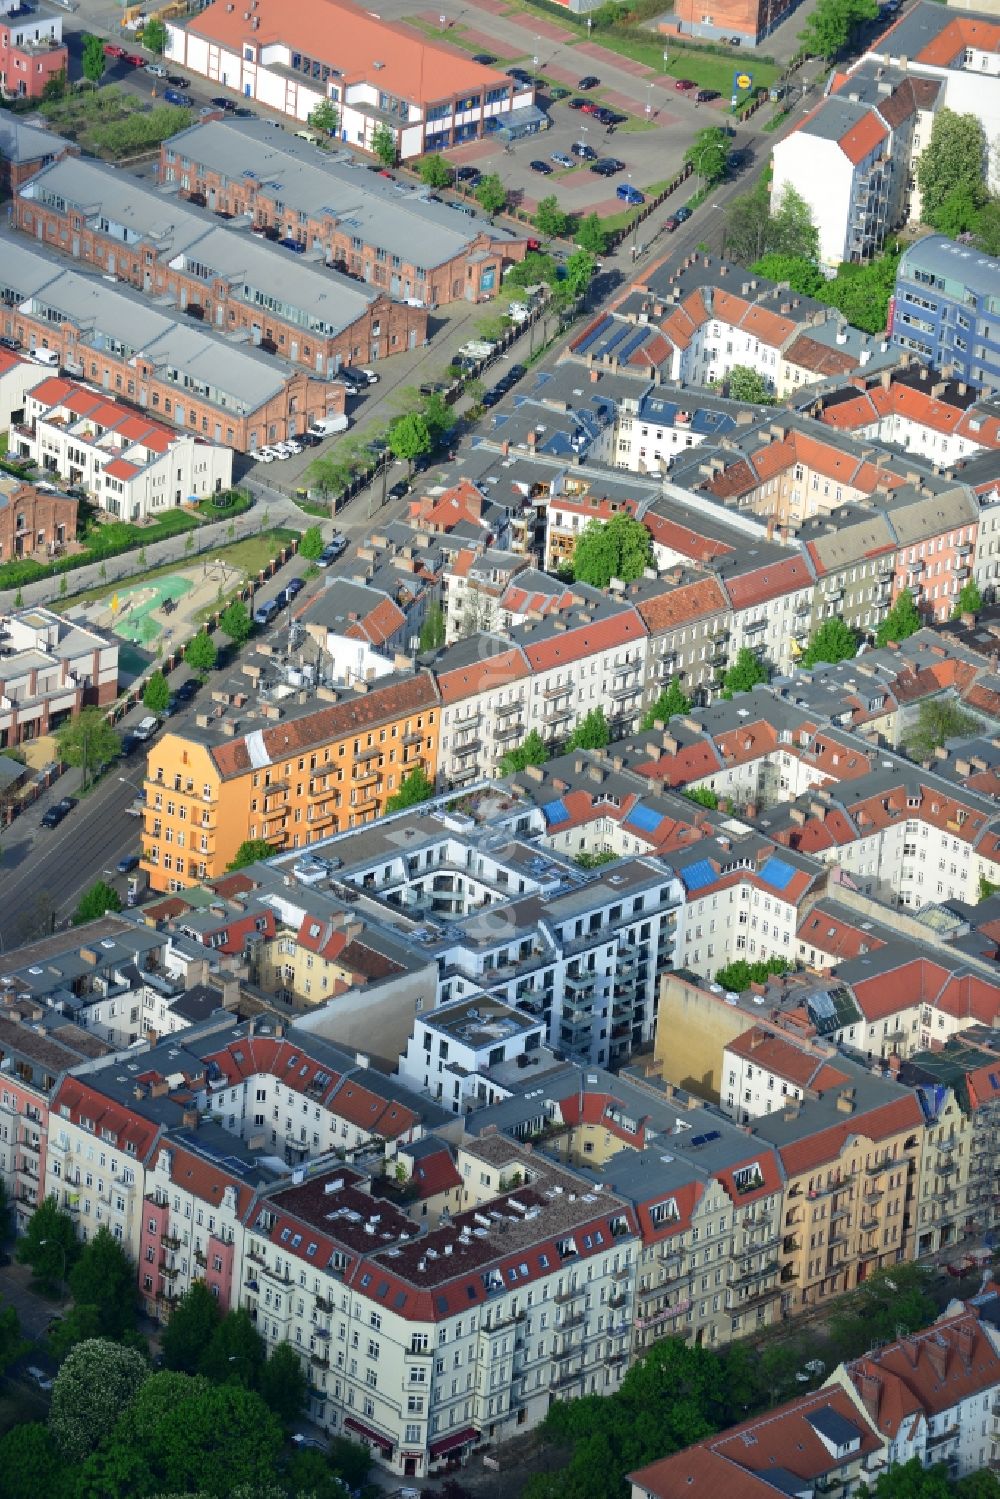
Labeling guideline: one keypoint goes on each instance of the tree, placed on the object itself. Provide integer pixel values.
(54, 87)
(912, 1481)
(96, 902)
(190, 1330)
(325, 117)
(104, 1277)
(435, 171)
(534, 269)
(96, 1383)
(748, 233)
(201, 654)
(432, 629)
(491, 195)
(745, 384)
(532, 751)
(744, 674)
(154, 36)
(591, 732)
(670, 701)
(351, 1461)
(833, 23)
(250, 851)
(156, 694)
(580, 268)
(833, 641)
(800, 273)
(182, 1435)
(969, 600)
(235, 621)
(311, 543)
(791, 230)
(704, 796)
(384, 145)
(618, 548)
(87, 740)
(988, 228)
(282, 1383)
(31, 1465)
(901, 621)
(235, 1352)
(708, 154)
(959, 211)
(49, 1244)
(591, 235)
(550, 219)
(417, 787)
(938, 720)
(79, 1324)
(93, 59)
(954, 158)
(12, 1345)
(409, 436)
(741, 974)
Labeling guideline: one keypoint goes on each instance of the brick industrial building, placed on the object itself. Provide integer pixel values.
(33, 522)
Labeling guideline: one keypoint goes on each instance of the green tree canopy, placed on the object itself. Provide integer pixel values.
(591, 732)
(154, 36)
(832, 25)
(80, 1323)
(703, 795)
(311, 543)
(617, 548)
(93, 60)
(12, 1345)
(801, 274)
(250, 851)
(550, 219)
(191, 1328)
(745, 384)
(959, 211)
(756, 226)
(235, 1352)
(97, 1382)
(409, 437)
(282, 1383)
(746, 671)
(49, 1244)
(384, 146)
(580, 268)
(325, 116)
(833, 641)
(591, 235)
(708, 154)
(31, 1466)
(531, 751)
(536, 267)
(740, 975)
(969, 600)
(988, 228)
(96, 901)
(432, 630)
(201, 654)
(938, 720)
(235, 621)
(417, 787)
(491, 195)
(435, 171)
(954, 159)
(901, 621)
(352, 1461)
(87, 740)
(156, 693)
(673, 699)
(104, 1277)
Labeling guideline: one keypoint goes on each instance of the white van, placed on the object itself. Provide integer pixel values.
(48, 357)
(326, 426)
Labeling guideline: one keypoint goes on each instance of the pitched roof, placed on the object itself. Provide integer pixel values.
(682, 606)
(825, 1146)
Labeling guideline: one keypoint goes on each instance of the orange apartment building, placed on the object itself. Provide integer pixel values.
(323, 769)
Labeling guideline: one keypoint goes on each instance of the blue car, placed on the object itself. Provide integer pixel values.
(628, 193)
(295, 245)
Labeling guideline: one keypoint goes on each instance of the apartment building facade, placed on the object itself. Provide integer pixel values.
(51, 669)
(944, 308)
(32, 51)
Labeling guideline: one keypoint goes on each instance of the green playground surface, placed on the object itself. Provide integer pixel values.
(137, 623)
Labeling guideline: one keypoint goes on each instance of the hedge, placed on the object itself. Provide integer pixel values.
(102, 542)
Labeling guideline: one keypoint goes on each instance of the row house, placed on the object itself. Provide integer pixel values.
(852, 1166)
(325, 768)
(590, 656)
(955, 1197)
(936, 538)
(132, 466)
(688, 625)
(910, 1001)
(410, 247)
(853, 552)
(768, 596)
(927, 414)
(484, 687)
(237, 284)
(763, 1068)
(475, 582)
(51, 669)
(155, 359)
(567, 516)
(32, 51)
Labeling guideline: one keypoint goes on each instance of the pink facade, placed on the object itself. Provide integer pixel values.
(24, 1122)
(934, 570)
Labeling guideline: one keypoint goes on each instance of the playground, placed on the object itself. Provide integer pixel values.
(148, 614)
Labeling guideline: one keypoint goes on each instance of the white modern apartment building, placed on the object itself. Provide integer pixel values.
(457, 1054)
(133, 466)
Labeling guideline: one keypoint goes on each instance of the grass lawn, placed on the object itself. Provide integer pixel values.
(634, 123)
(251, 554)
(703, 68)
(4, 436)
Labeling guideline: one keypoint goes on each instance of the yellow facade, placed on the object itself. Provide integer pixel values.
(693, 1029)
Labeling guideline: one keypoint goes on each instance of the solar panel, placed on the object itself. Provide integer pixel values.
(644, 818)
(697, 875)
(777, 873)
(994, 1080)
(555, 811)
(594, 334)
(633, 344)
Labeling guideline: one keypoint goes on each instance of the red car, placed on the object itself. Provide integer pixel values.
(135, 59)
(589, 107)
(685, 83)
(110, 50)
(670, 224)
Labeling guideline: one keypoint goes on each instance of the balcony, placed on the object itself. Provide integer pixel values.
(501, 710)
(618, 1300)
(575, 1319)
(170, 1241)
(513, 729)
(557, 691)
(562, 1298)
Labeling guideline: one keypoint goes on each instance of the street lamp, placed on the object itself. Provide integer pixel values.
(62, 1250)
(649, 101)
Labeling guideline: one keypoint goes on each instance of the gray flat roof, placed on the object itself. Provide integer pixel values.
(20, 142)
(116, 319)
(314, 181)
(945, 257)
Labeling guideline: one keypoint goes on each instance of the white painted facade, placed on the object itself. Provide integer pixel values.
(741, 921)
(821, 174)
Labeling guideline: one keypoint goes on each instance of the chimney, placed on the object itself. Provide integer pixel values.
(870, 1390)
(189, 1118)
(845, 1101)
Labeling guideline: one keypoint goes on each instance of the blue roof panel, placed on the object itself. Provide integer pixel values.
(555, 811)
(697, 875)
(644, 818)
(777, 873)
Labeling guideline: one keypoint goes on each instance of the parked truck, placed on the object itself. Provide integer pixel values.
(326, 426)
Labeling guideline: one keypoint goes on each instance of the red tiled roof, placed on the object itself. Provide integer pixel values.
(582, 640)
(786, 1059)
(862, 138)
(682, 606)
(824, 1146)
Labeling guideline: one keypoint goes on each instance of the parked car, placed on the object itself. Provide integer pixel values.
(111, 49)
(242, 113)
(54, 816)
(187, 690)
(146, 728)
(684, 84)
(156, 70)
(585, 152)
(176, 81)
(10, 343)
(266, 612)
(469, 175)
(295, 245)
(294, 587)
(399, 489)
(607, 166)
(589, 107)
(221, 103)
(541, 167)
(172, 96)
(335, 547)
(578, 103)
(485, 58)
(555, 94)
(519, 75)
(126, 865)
(589, 80)
(704, 95)
(670, 224)
(134, 59)
(682, 215)
(562, 160)
(629, 194)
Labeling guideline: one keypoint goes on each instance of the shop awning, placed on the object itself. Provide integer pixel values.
(369, 1433)
(452, 1440)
